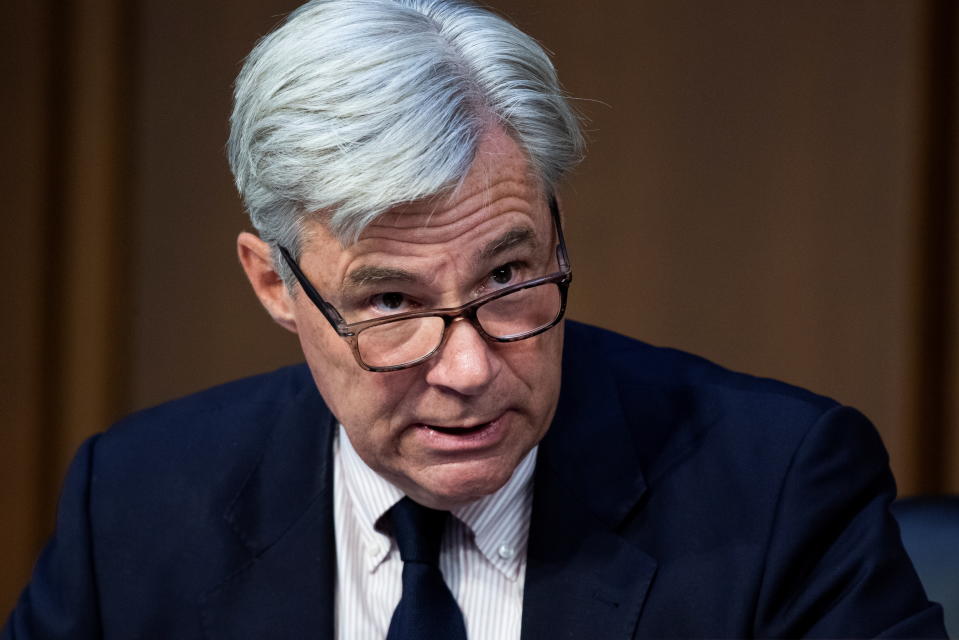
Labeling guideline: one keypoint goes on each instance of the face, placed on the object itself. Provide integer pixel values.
(452, 429)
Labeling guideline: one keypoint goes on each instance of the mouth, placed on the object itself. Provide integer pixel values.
(470, 436)
(458, 431)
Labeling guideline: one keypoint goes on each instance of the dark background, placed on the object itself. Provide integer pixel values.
(769, 184)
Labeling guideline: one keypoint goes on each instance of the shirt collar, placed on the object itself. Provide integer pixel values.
(370, 496)
(499, 522)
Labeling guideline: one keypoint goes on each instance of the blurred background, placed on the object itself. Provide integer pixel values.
(769, 184)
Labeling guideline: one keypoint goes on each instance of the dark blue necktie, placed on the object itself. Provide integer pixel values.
(427, 610)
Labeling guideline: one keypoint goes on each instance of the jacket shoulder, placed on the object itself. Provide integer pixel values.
(242, 403)
(201, 444)
(634, 363)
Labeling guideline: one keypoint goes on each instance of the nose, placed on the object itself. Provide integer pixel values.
(466, 363)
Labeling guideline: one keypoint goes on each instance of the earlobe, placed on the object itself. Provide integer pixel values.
(256, 259)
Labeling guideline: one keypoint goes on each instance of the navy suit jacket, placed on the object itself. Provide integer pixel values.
(672, 498)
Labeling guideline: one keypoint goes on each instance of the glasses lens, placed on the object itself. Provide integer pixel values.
(522, 311)
(396, 343)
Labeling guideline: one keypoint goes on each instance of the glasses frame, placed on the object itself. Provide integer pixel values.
(350, 332)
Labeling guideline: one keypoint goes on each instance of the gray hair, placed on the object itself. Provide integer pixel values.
(351, 107)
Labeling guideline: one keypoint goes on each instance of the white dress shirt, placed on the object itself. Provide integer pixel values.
(482, 558)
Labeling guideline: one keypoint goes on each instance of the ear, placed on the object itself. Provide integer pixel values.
(257, 260)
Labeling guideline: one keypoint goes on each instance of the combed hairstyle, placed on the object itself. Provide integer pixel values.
(351, 107)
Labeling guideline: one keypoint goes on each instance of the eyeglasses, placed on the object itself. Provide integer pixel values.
(513, 313)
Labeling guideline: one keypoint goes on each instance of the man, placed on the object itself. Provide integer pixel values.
(453, 461)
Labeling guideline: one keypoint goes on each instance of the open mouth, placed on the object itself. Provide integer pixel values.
(458, 431)
(467, 438)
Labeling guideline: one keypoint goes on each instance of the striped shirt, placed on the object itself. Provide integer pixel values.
(482, 558)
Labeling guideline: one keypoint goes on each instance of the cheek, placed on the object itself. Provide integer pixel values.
(360, 399)
(331, 363)
(536, 366)
(551, 374)
(537, 361)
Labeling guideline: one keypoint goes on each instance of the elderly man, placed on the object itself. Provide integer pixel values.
(453, 461)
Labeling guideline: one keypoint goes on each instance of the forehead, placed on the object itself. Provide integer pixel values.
(499, 200)
(499, 182)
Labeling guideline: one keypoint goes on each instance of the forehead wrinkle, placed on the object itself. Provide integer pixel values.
(508, 193)
(451, 230)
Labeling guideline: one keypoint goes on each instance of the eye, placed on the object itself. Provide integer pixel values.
(390, 302)
(502, 275)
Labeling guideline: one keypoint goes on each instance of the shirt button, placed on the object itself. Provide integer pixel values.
(373, 550)
(506, 552)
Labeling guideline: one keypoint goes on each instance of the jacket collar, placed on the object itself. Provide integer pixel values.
(590, 448)
(582, 577)
(295, 469)
(283, 515)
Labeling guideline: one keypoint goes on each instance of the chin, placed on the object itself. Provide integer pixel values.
(460, 483)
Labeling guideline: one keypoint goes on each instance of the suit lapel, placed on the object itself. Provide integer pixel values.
(583, 580)
(284, 517)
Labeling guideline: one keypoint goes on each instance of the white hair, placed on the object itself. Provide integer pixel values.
(351, 107)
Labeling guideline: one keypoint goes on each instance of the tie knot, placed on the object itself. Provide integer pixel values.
(418, 531)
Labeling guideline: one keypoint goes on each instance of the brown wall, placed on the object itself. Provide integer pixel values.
(769, 184)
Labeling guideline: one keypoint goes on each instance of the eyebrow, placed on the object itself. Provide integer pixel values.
(515, 237)
(372, 274)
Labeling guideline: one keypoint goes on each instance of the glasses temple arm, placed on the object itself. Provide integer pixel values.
(561, 255)
(329, 312)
